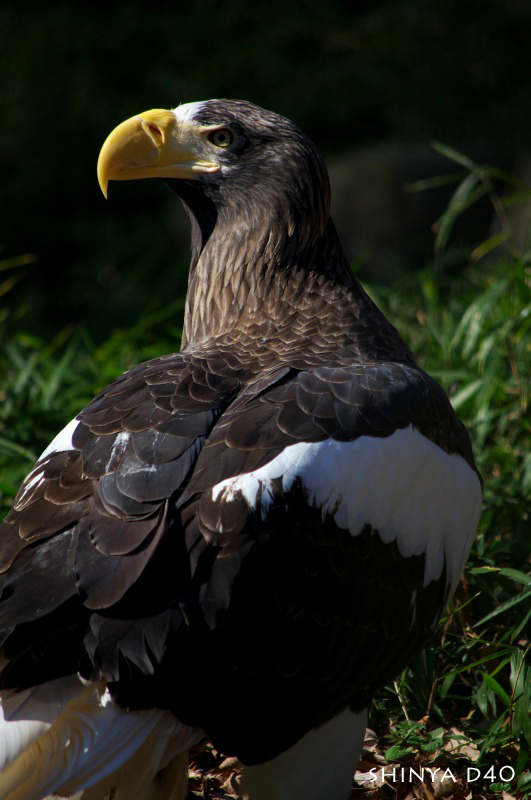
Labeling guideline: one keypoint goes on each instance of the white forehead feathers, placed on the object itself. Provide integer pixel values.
(187, 111)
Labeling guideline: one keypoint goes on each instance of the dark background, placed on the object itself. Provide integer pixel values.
(371, 83)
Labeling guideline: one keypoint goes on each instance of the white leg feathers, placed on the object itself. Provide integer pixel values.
(63, 737)
(320, 766)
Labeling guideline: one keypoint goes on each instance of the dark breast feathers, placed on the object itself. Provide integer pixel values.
(133, 552)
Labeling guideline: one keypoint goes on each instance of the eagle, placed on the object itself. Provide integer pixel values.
(243, 540)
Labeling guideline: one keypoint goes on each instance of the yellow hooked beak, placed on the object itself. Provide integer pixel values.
(153, 145)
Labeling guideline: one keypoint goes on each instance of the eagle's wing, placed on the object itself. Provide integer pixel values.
(92, 512)
(296, 530)
(355, 521)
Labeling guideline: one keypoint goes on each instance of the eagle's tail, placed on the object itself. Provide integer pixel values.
(68, 738)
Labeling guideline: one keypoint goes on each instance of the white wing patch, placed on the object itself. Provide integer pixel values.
(63, 440)
(403, 485)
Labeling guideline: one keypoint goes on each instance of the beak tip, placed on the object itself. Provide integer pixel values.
(104, 184)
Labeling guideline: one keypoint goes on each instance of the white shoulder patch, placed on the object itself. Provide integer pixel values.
(403, 485)
(63, 440)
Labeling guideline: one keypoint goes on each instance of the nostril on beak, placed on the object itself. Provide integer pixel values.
(156, 134)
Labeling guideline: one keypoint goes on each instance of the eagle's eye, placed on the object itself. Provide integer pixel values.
(221, 138)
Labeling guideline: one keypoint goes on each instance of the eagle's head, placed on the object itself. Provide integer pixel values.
(258, 196)
(226, 159)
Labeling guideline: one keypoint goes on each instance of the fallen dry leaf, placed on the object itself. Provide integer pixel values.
(459, 744)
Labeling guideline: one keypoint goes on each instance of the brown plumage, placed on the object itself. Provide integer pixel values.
(186, 541)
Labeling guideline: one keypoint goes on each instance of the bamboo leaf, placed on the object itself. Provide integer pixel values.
(18, 261)
(489, 245)
(493, 684)
(433, 183)
(15, 449)
(466, 194)
(460, 398)
(521, 626)
(525, 595)
(509, 200)
(484, 660)
(514, 574)
(454, 155)
(521, 686)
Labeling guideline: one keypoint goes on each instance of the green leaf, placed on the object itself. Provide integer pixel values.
(524, 782)
(520, 597)
(493, 684)
(446, 685)
(454, 155)
(466, 194)
(523, 758)
(484, 660)
(514, 574)
(461, 397)
(397, 752)
(522, 625)
(509, 200)
(17, 450)
(489, 245)
(484, 698)
(521, 685)
(492, 736)
(9, 283)
(18, 261)
(433, 183)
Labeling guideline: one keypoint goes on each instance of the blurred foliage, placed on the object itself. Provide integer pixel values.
(348, 73)
(472, 334)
